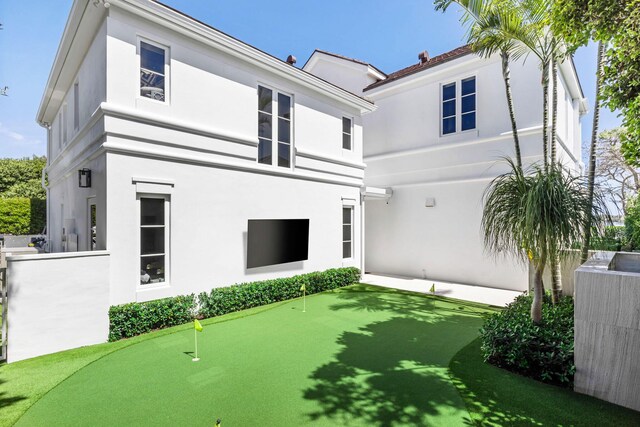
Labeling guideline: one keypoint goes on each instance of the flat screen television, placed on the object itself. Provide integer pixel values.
(277, 241)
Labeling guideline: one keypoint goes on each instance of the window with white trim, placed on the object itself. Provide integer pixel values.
(274, 133)
(458, 108)
(154, 234)
(76, 106)
(347, 232)
(347, 136)
(153, 70)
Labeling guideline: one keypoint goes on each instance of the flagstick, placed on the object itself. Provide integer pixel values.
(195, 334)
(304, 300)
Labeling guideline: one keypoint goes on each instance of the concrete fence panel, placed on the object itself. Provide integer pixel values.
(56, 302)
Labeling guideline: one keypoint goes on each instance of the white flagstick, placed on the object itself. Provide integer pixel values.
(195, 359)
(304, 299)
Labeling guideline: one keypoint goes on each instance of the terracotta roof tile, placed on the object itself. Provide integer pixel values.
(415, 68)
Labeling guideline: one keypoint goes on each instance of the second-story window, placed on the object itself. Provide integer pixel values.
(269, 102)
(448, 108)
(459, 108)
(152, 71)
(346, 133)
(468, 104)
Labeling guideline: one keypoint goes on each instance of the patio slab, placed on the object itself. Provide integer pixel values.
(481, 294)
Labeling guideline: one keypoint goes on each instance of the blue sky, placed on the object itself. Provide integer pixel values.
(388, 34)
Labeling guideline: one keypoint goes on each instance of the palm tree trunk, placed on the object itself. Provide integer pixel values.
(554, 117)
(592, 155)
(545, 114)
(556, 279)
(506, 75)
(538, 293)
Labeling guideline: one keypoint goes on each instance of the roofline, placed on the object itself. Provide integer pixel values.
(183, 23)
(391, 79)
(346, 58)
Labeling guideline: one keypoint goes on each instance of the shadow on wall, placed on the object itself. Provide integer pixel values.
(395, 371)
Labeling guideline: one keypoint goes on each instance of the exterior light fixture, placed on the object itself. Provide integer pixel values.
(84, 178)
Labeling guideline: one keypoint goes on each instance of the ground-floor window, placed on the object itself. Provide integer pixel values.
(347, 232)
(153, 239)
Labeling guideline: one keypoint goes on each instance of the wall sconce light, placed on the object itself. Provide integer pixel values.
(84, 178)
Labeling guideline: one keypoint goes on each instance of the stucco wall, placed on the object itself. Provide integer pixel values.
(56, 302)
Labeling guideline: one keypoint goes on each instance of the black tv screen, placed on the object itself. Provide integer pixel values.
(277, 241)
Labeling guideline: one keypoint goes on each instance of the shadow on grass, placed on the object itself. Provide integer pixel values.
(496, 397)
(394, 371)
(5, 399)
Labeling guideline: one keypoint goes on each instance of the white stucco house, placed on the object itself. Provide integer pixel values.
(435, 141)
(167, 139)
(188, 133)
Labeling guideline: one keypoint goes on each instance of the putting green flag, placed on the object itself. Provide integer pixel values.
(303, 288)
(433, 288)
(197, 326)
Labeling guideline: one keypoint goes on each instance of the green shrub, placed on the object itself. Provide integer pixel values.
(613, 239)
(137, 318)
(247, 295)
(133, 319)
(15, 171)
(510, 340)
(632, 223)
(19, 215)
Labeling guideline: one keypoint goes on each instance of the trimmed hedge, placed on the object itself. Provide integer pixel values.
(544, 352)
(20, 215)
(133, 319)
(137, 318)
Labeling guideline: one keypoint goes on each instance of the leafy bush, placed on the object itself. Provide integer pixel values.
(19, 215)
(544, 351)
(137, 318)
(613, 239)
(247, 295)
(632, 223)
(133, 319)
(15, 171)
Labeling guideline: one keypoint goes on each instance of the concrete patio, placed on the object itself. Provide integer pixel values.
(481, 294)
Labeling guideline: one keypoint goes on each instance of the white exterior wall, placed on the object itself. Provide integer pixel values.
(50, 309)
(404, 150)
(200, 149)
(349, 75)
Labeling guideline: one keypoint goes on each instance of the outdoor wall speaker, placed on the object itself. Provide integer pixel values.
(84, 178)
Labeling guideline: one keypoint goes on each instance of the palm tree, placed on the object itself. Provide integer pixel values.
(536, 216)
(491, 24)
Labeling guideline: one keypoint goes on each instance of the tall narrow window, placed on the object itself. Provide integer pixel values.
(152, 71)
(347, 232)
(60, 130)
(92, 231)
(152, 240)
(448, 108)
(346, 133)
(274, 126)
(468, 104)
(284, 130)
(76, 106)
(265, 124)
(64, 123)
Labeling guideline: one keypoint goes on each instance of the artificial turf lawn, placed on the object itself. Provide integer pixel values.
(496, 397)
(358, 356)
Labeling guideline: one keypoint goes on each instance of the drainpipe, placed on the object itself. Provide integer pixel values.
(362, 207)
(47, 126)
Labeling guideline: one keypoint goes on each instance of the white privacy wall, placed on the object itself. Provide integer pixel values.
(56, 302)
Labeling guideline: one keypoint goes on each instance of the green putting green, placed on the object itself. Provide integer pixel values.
(358, 356)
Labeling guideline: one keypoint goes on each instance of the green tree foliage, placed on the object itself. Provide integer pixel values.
(535, 216)
(617, 25)
(632, 223)
(21, 215)
(18, 175)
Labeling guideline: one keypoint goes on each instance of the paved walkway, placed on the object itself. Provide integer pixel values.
(481, 294)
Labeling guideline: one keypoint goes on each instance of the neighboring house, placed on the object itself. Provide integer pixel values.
(436, 141)
(186, 134)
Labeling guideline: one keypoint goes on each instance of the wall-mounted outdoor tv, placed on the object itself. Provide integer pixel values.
(277, 241)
